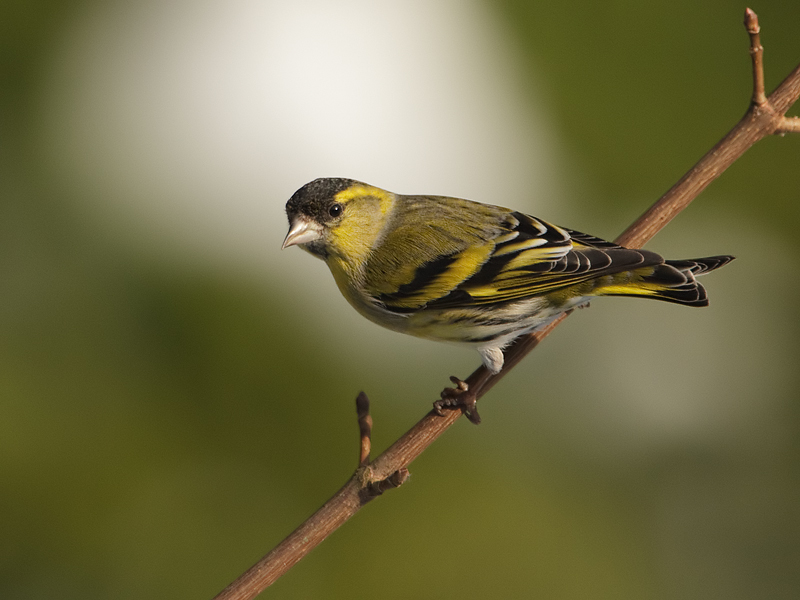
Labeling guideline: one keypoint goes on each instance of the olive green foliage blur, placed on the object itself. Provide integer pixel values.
(163, 424)
(648, 90)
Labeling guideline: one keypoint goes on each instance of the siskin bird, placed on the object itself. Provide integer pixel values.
(460, 271)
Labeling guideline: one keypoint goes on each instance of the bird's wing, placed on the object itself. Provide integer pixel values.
(528, 257)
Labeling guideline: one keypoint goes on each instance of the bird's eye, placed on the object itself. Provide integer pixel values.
(335, 210)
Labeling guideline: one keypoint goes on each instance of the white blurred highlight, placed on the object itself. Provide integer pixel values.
(196, 121)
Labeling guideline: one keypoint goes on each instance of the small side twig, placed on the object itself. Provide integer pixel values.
(760, 102)
(757, 54)
(371, 484)
(788, 125)
(765, 116)
(364, 427)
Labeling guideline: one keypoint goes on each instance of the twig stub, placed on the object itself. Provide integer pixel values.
(376, 488)
(757, 56)
(788, 125)
(364, 427)
(370, 484)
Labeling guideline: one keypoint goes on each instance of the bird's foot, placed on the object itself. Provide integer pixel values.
(459, 397)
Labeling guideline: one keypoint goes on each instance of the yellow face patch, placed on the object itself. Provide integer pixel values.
(366, 210)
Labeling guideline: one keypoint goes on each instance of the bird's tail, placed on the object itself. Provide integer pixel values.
(671, 281)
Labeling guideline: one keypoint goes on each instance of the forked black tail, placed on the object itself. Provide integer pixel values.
(674, 281)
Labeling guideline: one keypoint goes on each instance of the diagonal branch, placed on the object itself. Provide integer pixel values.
(765, 116)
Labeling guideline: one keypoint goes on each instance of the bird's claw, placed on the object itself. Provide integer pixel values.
(459, 397)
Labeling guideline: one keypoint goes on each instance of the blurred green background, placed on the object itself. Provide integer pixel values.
(176, 394)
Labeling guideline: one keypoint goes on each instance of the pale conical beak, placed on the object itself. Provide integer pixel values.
(301, 231)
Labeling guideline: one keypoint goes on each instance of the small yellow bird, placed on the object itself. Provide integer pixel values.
(460, 271)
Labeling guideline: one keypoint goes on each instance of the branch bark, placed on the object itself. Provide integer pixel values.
(764, 117)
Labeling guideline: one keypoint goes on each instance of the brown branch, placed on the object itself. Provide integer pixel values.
(766, 116)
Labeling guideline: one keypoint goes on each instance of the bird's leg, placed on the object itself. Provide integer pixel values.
(461, 397)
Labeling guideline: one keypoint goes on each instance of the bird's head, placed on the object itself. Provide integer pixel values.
(339, 218)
